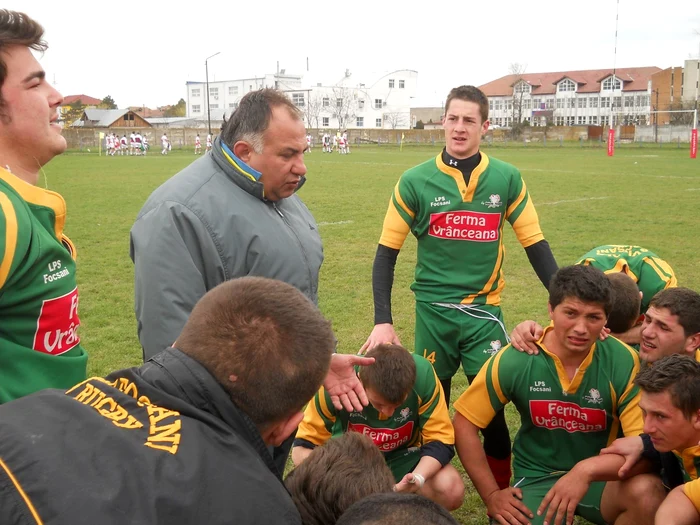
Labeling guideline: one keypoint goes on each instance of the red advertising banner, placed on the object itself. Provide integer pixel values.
(694, 144)
(611, 142)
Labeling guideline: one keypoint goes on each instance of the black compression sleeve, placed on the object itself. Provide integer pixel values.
(542, 260)
(435, 449)
(382, 282)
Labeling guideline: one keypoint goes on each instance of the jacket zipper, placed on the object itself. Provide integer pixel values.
(301, 247)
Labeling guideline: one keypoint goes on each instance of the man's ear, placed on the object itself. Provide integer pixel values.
(550, 310)
(692, 343)
(242, 150)
(277, 433)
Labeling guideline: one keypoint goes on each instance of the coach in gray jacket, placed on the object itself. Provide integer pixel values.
(229, 214)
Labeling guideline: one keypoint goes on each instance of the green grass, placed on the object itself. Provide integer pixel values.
(642, 196)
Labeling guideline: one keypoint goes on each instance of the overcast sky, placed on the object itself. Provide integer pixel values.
(142, 52)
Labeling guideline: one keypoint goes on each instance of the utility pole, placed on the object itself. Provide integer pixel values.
(656, 116)
(206, 72)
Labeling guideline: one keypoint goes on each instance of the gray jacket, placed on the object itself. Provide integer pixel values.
(207, 224)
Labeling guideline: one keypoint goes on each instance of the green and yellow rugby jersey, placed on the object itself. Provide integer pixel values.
(423, 418)
(459, 227)
(689, 460)
(562, 421)
(651, 273)
(39, 341)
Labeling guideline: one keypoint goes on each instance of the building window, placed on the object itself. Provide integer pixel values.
(526, 103)
(339, 102)
(526, 119)
(629, 101)
(522, 87)
(361, 104)
(609, 85)
(550, 103)
(378, 123)
(536, 103)
(594, 120)
(605, 120)
(560, 103)
(509, 104)
(214, 106)
(570, 121)
(195, 92)
(233, 90)
(642, 100)
(360, 122)
(298, 99)
(560, 121)
(571, 103)
(377, 103)
(498, 104)
(617, 102)
(402, 84)
(326, 102)
(391, 83)
(325, 122)
(581, 120)
(195, 108)
(490, 105)
(214, 92)
(232, 105)
(250, 87)
(594, 101)
(566, 85)
(604, 102)
(582, 102)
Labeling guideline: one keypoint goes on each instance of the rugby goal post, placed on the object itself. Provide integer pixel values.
(693, 131)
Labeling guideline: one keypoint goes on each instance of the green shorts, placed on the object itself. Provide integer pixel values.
(403, 461)
(461, 333)
(535, 489)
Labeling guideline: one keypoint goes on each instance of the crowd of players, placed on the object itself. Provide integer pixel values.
(136, 144)
(608, 394)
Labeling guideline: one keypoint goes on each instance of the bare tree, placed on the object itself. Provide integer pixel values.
(520, 88)
(396, 119)
(681, 119)
(312, 110)
(343, 106)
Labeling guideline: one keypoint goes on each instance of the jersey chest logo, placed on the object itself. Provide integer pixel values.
(553, 415)
(465, 226)
(386, 439)
(57, 326)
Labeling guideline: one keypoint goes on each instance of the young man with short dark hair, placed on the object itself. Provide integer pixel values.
(407, 418)
(39, 340)
(456, 205)
(396, 509)
(573, 398)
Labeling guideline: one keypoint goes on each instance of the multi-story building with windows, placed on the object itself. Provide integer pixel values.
(346, 104)
(600, 97)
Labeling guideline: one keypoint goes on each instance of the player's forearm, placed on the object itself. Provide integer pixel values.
(299, 454)
(678, 509)
(383, 282)
(542, 261)
(427, 467)
(471, 454)
(599, 468)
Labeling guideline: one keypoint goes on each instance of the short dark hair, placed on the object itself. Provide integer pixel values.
(470, 94)
(266, 344)
(18, 29)
(586, 283)
(396, 509)
(393, 373)
(252, 117)
(626, 303)
(682, 302)
(679, 375)
(336, 475)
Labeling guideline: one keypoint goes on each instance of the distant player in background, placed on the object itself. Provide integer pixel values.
(165, 142)
(139, 143)
(197, 145)
(132, 143)
(124, 150)
(308, 143)
(209, 139)
(347, 142)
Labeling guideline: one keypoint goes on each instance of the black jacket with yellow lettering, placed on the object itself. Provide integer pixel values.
(162, 443)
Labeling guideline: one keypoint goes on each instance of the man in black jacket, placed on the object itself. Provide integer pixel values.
(183, 438)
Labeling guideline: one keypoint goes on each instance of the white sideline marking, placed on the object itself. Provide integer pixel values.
(554, 203)
(334, 223)
(693, 189)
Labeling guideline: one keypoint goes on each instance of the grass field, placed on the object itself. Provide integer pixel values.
(641, 196)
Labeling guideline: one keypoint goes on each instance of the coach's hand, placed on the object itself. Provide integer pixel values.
(381, 333)
(343, 385)
(506, 507)
(563, 498)
(630, 448)
(525, 335)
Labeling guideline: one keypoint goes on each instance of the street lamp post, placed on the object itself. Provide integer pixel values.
(206, 70)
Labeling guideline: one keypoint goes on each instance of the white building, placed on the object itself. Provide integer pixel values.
(382, 102)
(569, 98)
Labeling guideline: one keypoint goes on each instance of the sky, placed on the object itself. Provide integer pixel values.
(145, 55)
